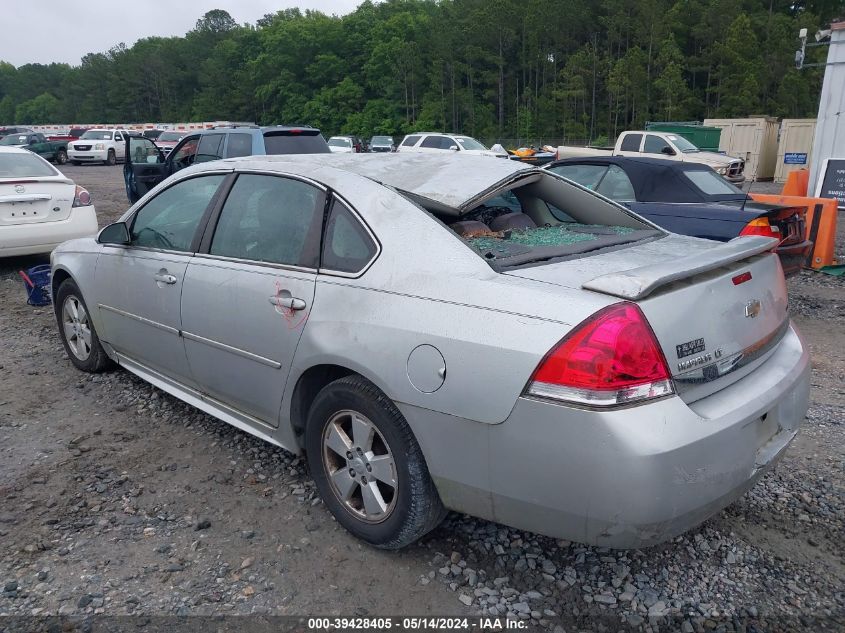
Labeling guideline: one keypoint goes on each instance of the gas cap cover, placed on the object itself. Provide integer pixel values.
(426, 368)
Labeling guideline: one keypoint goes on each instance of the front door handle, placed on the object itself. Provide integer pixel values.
(163, 277)
(292, 303)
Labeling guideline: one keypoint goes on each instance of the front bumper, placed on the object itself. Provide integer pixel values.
(793, 256)
(43, 237)
(625, 478)
(737, 179)
(90, 156)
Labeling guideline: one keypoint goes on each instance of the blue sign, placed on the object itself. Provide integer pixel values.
(794, 158)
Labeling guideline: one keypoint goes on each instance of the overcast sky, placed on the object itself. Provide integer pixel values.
(44, 31)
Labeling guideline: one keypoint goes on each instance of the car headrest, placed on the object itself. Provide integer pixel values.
(468, 228)
(512, 221)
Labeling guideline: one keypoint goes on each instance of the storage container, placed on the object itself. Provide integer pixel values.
(754, 140)
(795, 148)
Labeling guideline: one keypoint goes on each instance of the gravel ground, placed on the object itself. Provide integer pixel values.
(118, 499)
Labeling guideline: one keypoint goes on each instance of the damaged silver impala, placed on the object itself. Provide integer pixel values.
(451, 332)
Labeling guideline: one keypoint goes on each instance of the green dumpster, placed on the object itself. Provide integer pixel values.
(703, 137)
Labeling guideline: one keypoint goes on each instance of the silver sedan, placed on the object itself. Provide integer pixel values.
(454, 332)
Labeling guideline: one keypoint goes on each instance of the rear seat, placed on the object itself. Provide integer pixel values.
(511, 222)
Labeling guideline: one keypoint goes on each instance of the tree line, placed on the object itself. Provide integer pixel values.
(493, 69)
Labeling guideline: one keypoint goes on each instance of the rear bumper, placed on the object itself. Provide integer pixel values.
(793, 256)
(43, 237)
(630, 477)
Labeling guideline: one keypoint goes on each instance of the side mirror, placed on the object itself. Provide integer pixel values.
(117, 233)
(454, 148)
(667, 150)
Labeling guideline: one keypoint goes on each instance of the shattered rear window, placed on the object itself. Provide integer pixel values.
(502, 244)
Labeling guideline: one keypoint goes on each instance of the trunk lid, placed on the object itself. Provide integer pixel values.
(717, 310)
(33, 201)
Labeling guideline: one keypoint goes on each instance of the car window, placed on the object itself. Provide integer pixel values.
(438, 142)
(270, 219)
(616, 185)
(712, 183)
(170, 220)
(239, 144)
(14, 165)
(303, 141)
(347, 246)
(183, 155)
(118, 137)
(631, 143)
(210, 148)
(410, 141)
(142, 150)
(587, 176)
(653, 144)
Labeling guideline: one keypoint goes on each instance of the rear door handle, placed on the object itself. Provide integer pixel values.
(291, 303)
(165, 278)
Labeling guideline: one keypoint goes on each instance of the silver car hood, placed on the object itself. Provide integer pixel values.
(453, 182)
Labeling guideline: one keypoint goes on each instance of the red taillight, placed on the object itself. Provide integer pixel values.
(81, 198)
(741, 278)
(612, 358)
(761, 226)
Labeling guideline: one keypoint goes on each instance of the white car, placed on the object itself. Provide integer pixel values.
(342, 145)
(438, 142)
(107, 146)
(39, 207)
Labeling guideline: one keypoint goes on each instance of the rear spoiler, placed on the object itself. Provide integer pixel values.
(638, 283)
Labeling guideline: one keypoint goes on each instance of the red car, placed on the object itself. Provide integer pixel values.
(167, 140)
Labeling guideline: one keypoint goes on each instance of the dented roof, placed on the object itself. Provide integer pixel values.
(450, 181)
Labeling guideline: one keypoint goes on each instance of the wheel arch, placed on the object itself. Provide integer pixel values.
(308, 385)
(57, 279)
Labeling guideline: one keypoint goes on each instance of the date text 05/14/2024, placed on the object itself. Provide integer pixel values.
(416, 623)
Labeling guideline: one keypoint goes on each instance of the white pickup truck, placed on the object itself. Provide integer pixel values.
(99, 145)
(663, 145)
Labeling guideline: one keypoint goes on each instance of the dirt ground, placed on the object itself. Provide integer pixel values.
(116, 498)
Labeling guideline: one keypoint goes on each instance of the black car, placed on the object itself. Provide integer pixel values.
(690, 199)
(146, 165)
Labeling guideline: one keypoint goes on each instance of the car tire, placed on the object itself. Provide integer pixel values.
(404, 510)
(77, 331)
(111, 160)
(76, 163)
(61, 157)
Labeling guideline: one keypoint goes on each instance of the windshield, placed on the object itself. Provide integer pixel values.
(712, 184)
(307, 141)
(339, 142)
(98, 135)
(469, 143)
(169, 136)
(14, 139)
(381, 140)
(24, 165)
(682, 144)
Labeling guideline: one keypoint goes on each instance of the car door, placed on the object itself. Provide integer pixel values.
(248, 293)
(657, 147)
(630, 145)
(120, 139)
(140, 284)
(144, 167)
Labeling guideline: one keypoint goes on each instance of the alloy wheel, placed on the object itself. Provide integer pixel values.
(77, 328)
(360, 466)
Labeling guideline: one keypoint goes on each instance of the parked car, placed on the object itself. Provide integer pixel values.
(73, 134)
(567, 368)
(691, 199)
(436, 142)
(166, 141)
(662, 145)
(147, 165)
(14, 130)
(39, 207)
(382, 144)
(342, 145)
(35, 142)
(107, 146)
